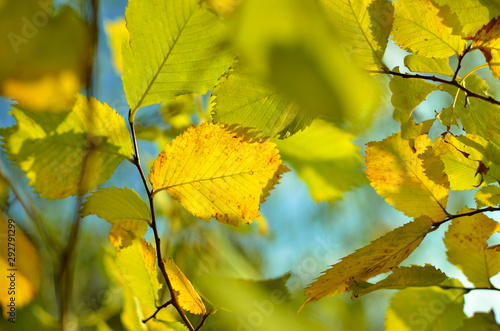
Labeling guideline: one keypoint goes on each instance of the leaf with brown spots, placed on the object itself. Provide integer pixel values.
(467, 247)
(213, 172)
(382, 255)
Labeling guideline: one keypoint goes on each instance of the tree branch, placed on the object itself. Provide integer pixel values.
(474, 212)
(468, 93)
(173, 301)
(468, 289)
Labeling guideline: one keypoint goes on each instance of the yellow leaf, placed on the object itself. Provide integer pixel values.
(418, 28)
(466, 244)
(378, 257)
(187, 295)
(488, 196)
(395, 171)
(21, 279)
(488, 41)
(117, 34)
(214, 173)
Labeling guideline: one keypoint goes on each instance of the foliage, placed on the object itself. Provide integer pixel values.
(291, 82)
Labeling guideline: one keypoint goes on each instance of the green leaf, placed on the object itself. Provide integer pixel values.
(137, 264)
(472, 14)
(175, 48)
(480, 321)
(478, 117)
(123, 208)
(4, 191)
(243, 100)
(407, 94)
(381, 255)
(325, 158)
(419, 29)
(54, 149)
(364, 28)
(460, 167)
(394, 168)
(417, 63)
(488, 196)
(466, 247)
(447, 117)
(426, 309)
(401, 278)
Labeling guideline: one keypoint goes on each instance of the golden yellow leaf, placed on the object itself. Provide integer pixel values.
(378, 257)
(488, 41)
(395, 171)
(466, 244)
(117, 34)
(186, 294)
(213, 172)
(20, 267)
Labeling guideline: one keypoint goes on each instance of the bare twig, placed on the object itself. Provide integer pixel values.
(468, 289)
(173, 300)
(166, 304)
(474, 212)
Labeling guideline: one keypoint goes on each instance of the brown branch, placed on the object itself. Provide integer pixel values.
(161, 265)
(474, 212)
(468, 289)
(166, 304)
(205, 318)
(460, 59)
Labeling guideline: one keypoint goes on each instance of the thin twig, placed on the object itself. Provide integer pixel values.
(166, 304)
(468, 92)
(204, 319)
(468, 289)
(474, 212)
(459, 65)
(137, 162)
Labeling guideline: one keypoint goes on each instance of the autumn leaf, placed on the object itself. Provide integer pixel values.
(401, 278)
(395, 171)
(381, 255)
(407, 94)
(175, 48)
(488, 196)
(243, 100)
(426, 309)
(187, 295)
(480, 321)
(117, 35)
(18, 257)
(467, 247)
(488, 41)
(214, 173)
(123, 208)
(419, 29)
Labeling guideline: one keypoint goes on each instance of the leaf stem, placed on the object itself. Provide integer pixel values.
(173, 301)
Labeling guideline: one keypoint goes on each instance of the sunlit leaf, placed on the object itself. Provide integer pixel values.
(4, 191)
(175, 48)
(418, 28)
(488, 196)
(54, 149)
(488, 41)
(395, 171)
(466, 247)
(137, 264)
(472, 14)
(325, 158)
(401, 278)
(214, 173)
(123, 208)
(417, 63)
(364, 27)
(426, 309)
(21, 275)
(480, 321)
(45, 57)
(447, 117)
(381, 255)
(187, 295)
(242, 100)
(117, 35)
